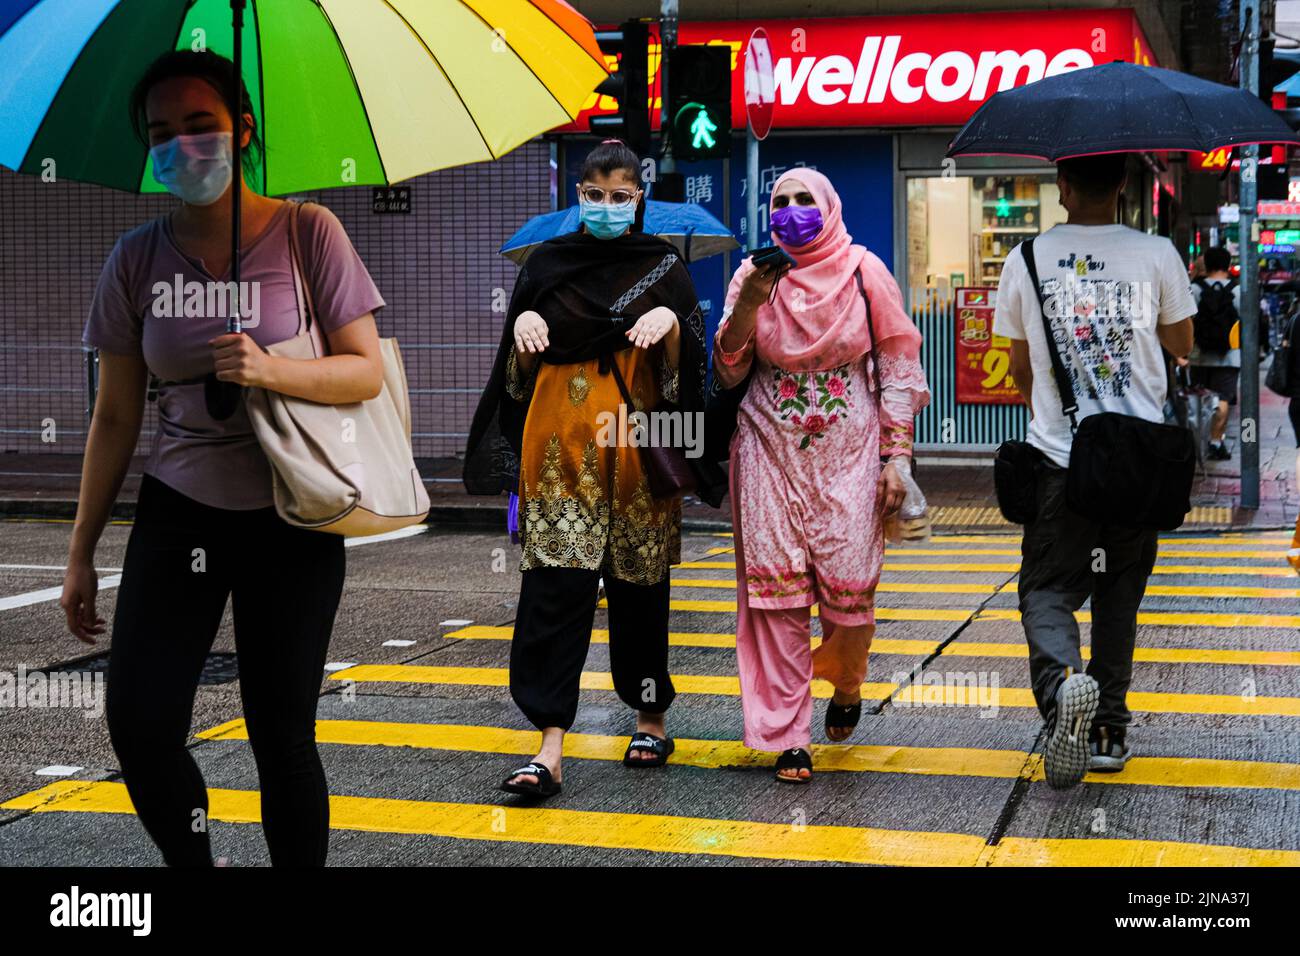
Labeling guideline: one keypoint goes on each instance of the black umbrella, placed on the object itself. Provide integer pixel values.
(1118, 108)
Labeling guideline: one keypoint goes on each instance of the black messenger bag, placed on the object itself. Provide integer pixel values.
(1124, 470)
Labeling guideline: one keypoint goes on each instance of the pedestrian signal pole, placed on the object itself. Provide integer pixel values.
(1248, 235)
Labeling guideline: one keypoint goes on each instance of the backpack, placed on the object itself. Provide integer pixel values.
(1215, 316)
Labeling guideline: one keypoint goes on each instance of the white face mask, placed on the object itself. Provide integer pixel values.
(194, 168)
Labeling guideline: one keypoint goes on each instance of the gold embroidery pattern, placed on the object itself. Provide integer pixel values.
(519, 386)
(645, 538)
(579, 387)
(560, 531)
(669, 379)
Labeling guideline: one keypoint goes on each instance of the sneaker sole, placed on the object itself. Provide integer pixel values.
(1107, 764)
(1066, 756)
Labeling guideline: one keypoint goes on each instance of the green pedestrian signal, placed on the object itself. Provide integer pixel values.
(697, 128)
(699, 89)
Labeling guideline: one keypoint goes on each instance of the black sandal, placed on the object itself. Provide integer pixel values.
(661, 747)
(796, 759)
(842, 717)
(544, 787)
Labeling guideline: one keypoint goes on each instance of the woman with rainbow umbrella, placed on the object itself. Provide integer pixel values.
(137, 94)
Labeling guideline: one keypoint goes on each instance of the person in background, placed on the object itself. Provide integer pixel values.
(1216, 365)
(1114, 296)
(206, 530)
(819, 459)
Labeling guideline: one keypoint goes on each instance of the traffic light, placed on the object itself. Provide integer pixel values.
(629, 84)
(699, 86)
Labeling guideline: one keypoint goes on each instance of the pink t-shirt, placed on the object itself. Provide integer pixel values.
(218, 463)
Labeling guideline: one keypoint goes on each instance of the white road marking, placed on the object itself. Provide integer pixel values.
(51, 594)
(58, 770)
(340, 665)
(112, 581)
(398, 643)
(49, 567)
(387, 536)
(455, 622)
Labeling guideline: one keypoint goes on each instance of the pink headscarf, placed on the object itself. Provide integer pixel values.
(818, 319)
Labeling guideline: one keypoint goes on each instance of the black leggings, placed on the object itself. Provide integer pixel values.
(552, 633)
(1293, 409)
(183, 560)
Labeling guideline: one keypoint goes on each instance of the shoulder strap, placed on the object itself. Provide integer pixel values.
(301, 287)
(645, 282)
(871, 329)
(622, 386)
(1069, 405)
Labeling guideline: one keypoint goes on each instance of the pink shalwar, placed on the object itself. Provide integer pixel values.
(805, 463)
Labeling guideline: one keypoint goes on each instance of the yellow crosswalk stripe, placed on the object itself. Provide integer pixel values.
(1150, 655)
(882, 613)
(675, 834)
(881, 645)
(1161, 618)
(953, 694)
(1172, 618)
(853, 758)
(891, 587)
(917, 552)
(1280, 570)
(1230, 538)
(951, 587)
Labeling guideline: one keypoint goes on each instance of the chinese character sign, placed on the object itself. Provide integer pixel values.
(983, 359)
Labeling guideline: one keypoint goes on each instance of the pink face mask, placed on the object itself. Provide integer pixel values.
(796, 225)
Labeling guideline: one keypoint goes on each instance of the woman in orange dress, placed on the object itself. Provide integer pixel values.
(588, 308)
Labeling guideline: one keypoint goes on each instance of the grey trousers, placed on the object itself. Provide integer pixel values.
(1067, 558)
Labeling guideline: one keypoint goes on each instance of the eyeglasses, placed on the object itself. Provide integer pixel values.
(617, 197)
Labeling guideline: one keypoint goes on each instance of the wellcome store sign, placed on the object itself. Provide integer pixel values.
(929, 70)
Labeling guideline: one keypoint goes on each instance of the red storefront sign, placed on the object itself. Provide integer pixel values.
(983, 359)
(926, 70)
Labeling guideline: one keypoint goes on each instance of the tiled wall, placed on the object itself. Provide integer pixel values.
(437, 268)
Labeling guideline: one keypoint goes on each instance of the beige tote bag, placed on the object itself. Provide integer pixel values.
(346, 469)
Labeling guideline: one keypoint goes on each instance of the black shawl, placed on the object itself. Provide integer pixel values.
(580, 284)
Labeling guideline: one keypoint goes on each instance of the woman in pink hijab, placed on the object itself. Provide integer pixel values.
(817, 463)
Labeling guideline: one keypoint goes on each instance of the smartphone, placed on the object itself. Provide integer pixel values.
(772, 257)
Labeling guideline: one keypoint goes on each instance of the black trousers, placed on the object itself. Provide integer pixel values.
(183, 560)
(1066, 559)
(553, 631)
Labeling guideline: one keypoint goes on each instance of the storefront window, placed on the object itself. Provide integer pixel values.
(960, 229)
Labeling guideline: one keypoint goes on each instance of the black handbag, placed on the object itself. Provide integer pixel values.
(667, 473)
(1015, 480)
(1278, 379)
(1123, 470)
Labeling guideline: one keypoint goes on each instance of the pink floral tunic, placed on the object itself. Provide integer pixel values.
(805, 462)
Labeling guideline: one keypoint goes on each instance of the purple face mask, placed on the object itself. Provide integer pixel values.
(797, 225)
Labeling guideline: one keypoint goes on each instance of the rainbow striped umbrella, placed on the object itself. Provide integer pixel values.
(345, 92)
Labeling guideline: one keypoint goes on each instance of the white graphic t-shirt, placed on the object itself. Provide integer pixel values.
(1106, 288)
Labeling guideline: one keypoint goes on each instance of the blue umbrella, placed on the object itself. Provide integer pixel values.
(695, 232)
(1118, 108)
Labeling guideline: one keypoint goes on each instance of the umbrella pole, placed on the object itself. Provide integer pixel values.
(222, 398)
(235, 322)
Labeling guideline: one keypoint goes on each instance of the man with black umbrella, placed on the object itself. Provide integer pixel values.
(1114, 298)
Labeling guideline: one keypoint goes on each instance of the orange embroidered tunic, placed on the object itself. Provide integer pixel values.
(583, 497)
